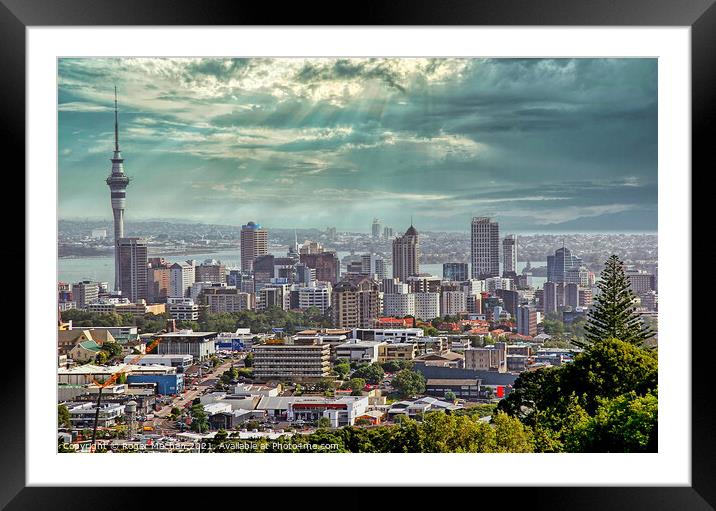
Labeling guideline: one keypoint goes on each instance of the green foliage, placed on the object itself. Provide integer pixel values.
(409, 383)
(265, 320)
(393, 366)
(246, 373)
(113, 349)
(342, 369)
(102, 357)
(613, 315)
(450, 395)
(568, 407)
(249, 360)
(63, 417)
(199, 419)
(372, 373)
(356, 385)
(323, 422)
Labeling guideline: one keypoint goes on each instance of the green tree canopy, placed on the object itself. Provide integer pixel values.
(409, 383)
(613, 314)
(372, 373)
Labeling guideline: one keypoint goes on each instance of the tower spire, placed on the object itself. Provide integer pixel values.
(116, 122)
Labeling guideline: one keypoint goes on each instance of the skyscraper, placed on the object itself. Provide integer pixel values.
(484, 248)
(375, 229)
(549, 299)
(254, 243)
(406, 255)
(526, 320)
(117, 182)
(563, 266)
(509, 254)
(132, 256)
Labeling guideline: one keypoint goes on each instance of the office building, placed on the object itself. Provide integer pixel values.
(373, 265)
(399, 305)
(181, 278)
(210, 271)
(315, 295)
(201, 345)
(571, 295)
(453, 303)
(455, 271)
(484, 248)
(132, 257)
(527, 320)
(563, 267)
(254, 243)
(549, 298)
(297, 362)
(325, 263)
(183, 309)
(227, 299)
(375, 229)
(641, 281)
(509, 255)
(158, 278)
(406, 255)
(85, 292)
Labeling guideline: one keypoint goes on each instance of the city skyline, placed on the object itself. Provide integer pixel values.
(375, 135)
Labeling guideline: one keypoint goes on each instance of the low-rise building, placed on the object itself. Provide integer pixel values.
(281, 361)
(201, 345)
(359, 351)
(464, 388)
(397, 351)
(181, 362)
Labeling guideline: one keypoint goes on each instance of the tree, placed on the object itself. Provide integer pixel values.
(249, 360)
(102, 357)
(199, 419)
(342, 368)
(356, 385)
(450, 395)
(614, 313)
(409, 383)
(63, 417)
(372, 373)
(324, 422)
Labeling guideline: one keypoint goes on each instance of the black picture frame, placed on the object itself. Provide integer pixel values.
(700, 15)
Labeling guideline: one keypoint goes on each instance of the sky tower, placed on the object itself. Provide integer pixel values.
(117, 182)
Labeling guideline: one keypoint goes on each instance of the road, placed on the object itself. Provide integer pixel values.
(161, 423)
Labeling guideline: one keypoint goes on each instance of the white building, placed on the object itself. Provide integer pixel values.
(389, 335)
(399, 304)
(427, 306)
(359, 351)
(183, 309)
(316, 295)
(495, 283)
(181, 278)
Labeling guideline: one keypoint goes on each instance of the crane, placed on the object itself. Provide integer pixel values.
(110, 381)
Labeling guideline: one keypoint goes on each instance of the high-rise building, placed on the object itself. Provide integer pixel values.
(158, 275)
(549, 298)
(455, 271)
(227, 299)
(399, 305)
(85, 292)
(373, 265)
(526, 320)
(326, 265)
(316, 295)
(117, 182)
(387, 232)
(356, 305)
(210, 271)
(427, 306)
(509, 254)
(406, 254)
(254, 243)
(484, 248)
(133, 261)
(641, 281)
(181, 278)
(453, 303)
(375, 229)
(563, 267)
(571, 294)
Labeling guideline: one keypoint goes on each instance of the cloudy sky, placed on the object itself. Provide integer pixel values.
(542, 145)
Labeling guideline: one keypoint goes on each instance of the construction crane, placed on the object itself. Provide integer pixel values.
(110, 381)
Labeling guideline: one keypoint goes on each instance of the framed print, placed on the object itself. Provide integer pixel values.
(424, 249)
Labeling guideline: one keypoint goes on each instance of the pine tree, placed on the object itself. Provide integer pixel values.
(614, 315)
